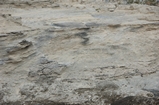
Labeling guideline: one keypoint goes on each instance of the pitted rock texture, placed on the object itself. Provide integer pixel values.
(78, 53)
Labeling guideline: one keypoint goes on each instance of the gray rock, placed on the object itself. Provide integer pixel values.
(106, 85)
(132, 100)
(78, 53)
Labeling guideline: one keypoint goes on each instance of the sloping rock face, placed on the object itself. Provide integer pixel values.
(79, 54)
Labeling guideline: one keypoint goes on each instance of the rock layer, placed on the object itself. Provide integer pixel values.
(79, 54)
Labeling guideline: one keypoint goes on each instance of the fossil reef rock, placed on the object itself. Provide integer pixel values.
(76, 52)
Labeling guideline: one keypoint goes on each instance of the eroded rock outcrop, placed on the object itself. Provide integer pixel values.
(78, 53)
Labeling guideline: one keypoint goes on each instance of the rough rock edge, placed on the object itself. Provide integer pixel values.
(130, 100)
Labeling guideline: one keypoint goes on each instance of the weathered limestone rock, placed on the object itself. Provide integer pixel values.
(78, 52)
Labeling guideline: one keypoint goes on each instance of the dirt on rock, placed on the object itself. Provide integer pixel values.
(83, 52)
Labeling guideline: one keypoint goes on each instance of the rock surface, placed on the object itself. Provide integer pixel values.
(78, 53)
